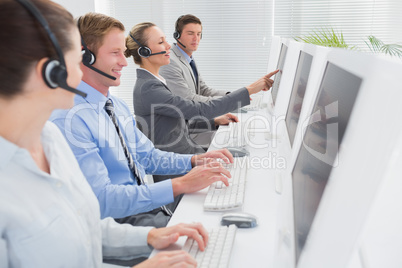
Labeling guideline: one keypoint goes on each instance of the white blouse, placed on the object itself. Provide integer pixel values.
(54, 220)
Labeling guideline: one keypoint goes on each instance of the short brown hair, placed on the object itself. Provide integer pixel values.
(94, 26)
(138, 32)
(184, 20)
(24, 41)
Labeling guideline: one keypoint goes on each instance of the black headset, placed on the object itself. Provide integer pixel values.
(176, 34)
(89, 58)
(54, 71)
(145, 51)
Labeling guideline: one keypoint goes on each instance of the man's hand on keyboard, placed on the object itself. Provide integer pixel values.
(166, 259)
(161, 238)
(200, 177)
(202, 159)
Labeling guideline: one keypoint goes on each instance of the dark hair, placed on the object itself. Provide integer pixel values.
(184, 20)
(94, 26)
(138, 32)
(24, 41)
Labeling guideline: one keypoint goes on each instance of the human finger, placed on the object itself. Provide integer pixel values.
(181, 257)
(233, 118)
(228, 157)
(223, 154)
(195, 231)
(217, 167)
(272, 73)
(221, 178)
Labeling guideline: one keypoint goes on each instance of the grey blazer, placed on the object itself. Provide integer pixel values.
(181, 81)
(161, 115)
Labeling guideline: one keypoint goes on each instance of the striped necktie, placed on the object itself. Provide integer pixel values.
(110, 111)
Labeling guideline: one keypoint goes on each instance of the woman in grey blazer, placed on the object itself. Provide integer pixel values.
(160, 114)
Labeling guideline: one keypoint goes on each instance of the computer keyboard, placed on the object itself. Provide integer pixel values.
(255, 103)
(221, 197)
(236, 136)
(218, 250)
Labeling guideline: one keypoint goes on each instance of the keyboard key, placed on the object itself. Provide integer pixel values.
(218, 250)
(221, 197)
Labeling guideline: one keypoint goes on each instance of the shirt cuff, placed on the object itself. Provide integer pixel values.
(162, 192)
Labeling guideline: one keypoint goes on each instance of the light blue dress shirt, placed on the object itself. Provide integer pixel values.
(53, 220)
(96, 145)
(185, 55)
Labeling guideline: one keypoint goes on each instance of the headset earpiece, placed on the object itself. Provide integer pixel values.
(176, 35)
(88, 57)
(54, 74)
(144, 51)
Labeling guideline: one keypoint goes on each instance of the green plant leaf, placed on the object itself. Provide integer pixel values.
(327, 37)
(392, 49)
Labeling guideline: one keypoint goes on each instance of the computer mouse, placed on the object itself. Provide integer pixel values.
(240, 219)
(238, 151)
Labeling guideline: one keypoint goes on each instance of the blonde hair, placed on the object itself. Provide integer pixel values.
(94, 26)
(138, 32)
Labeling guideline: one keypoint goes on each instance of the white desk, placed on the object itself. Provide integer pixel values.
(253, 247)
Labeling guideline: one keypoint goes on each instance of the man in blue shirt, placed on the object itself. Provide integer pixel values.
(96, 144)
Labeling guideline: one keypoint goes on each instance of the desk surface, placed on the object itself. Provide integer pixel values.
(253, 247)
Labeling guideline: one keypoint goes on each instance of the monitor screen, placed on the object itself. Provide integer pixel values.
(298, 90)
(277, 80)
(318, 152)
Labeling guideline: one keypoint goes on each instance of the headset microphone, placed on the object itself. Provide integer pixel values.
(176, 36)
(54, 71)
(162, 52)
(144, 51)
(98, 71)
(88, 58)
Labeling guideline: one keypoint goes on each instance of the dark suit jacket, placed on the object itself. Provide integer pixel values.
(162, 116)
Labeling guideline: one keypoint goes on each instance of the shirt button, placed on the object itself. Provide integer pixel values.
(58, 185)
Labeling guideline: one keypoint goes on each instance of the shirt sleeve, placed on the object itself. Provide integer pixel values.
(164, 102)
(158, 162)
(3, 253)
(124, 241)
(205, 90)
(115, 200)
(177, 83)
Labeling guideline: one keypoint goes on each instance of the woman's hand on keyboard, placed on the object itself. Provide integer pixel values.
(225, 119)
(161, 238)
(166, 259)
(200, 177)
(202, 159)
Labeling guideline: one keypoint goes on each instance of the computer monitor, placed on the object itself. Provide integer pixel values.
(278, 76)
(297, 95)
(274, 53)
(368, 145)
(380, 243)
(317, 155)
(282, 87)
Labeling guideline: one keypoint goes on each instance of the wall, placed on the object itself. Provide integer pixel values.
(77, 7)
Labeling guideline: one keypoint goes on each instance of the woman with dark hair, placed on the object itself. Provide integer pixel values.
(160, 114)
(49, 216)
